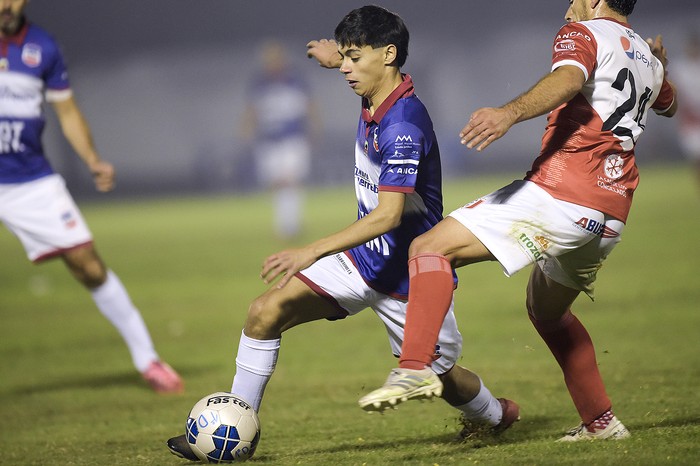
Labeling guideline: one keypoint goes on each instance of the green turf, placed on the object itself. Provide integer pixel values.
(69, 396)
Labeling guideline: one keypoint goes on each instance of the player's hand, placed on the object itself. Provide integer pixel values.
(485, 126)
(658, 50)
(103, 175)
(285, 264)
(325, 52)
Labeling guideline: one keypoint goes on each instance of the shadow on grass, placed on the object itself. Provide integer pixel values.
(131, 378)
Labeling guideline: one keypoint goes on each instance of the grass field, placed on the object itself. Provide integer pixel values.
(69, 396)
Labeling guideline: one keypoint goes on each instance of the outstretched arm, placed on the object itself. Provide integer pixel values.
(385, 217)
(77, 132)
(488, 124)
(325, 51)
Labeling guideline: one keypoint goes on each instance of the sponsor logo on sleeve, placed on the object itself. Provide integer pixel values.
(565, 45)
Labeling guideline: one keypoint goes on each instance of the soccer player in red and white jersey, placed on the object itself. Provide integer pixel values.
(568, 212)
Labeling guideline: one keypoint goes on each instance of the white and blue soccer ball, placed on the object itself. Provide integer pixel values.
(222, 428)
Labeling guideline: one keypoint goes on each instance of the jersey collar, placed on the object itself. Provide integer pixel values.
(622, 23)
(18, 37)
(405, 89)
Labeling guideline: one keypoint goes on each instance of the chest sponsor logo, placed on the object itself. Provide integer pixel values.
(634, 54)
(363, 180)
(627, 47)
(31, 55)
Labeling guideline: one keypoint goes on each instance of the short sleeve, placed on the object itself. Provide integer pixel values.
(401, 147)
(665, 99)
(56, 75)
(575, 45)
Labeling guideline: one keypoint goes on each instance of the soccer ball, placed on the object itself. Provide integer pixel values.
(222, 428)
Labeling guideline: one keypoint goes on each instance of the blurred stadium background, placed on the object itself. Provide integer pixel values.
(163, 82)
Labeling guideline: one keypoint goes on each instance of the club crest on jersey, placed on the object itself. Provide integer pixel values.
(627, 47)
(614, 166)
(31, 55)
(375, 141)
(597, 228)
(4, 64)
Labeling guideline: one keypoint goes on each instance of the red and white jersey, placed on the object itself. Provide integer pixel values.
(587, 154)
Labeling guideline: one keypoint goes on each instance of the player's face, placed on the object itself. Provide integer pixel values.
(579, 10)
(11, 15)
(364, 69)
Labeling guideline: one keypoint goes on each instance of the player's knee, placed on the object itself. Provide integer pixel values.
(94, 275)
(420, 245)
(264, 318)
(86, 266)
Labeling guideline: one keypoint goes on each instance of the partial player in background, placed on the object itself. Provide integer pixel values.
(34, 202)
(565, 216)
(398, 183)
(280, 125)
(686, 74)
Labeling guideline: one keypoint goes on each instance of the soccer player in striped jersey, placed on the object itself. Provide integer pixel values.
(34, 202)
(565, 216)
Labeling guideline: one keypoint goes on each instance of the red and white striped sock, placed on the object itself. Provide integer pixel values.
(601, 422)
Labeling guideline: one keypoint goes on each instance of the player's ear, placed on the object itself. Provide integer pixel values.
(390, 54)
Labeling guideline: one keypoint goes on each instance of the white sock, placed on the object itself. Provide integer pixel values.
(255, 364)
(113, 301)
(483, 408)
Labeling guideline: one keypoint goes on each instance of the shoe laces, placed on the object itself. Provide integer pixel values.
(576, 431)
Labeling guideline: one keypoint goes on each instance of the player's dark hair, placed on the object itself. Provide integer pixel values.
(374, 26)
(623, 7)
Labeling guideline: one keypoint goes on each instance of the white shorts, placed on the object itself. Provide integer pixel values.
(522, 224)
(287, 161)
(43, 215)
(336, 279)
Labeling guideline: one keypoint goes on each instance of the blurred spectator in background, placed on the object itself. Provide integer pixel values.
(279, 125)
(34, 202)
(687, 80)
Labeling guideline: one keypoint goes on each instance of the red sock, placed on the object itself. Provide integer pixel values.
(429, 298)
(572, 347)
